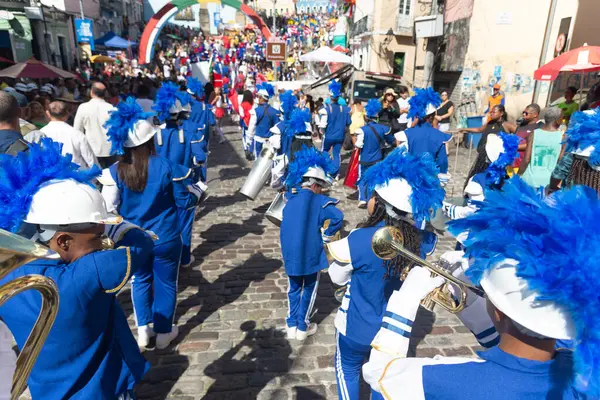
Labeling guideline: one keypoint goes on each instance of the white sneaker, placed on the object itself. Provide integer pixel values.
(144, 334)
(163, 340)
(291, 333)
(301, 335)
(192, 259)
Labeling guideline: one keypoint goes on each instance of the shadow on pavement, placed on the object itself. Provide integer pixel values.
(261, 356)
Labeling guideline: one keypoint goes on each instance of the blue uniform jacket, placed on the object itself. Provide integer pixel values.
(155, 208)
(368, 292)
(338, 118)
(180, 144)
(201, 118)
(266, 118)
(371, 150)
(301, 240)
(424, 138)
(90, 352)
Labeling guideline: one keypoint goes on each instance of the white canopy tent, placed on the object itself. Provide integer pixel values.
(326, 54)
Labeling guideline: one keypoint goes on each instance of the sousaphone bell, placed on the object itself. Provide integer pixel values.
(14, 252)
(388, 243)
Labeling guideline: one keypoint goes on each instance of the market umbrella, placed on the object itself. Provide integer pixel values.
(340, 48)
(326, 54)
(581, 60)
(99, 58)
(35, 69)
(6, 61)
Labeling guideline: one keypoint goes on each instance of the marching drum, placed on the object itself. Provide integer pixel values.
(275, 211)
(260, 173)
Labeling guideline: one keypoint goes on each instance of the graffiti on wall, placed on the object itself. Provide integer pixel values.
(515, 83)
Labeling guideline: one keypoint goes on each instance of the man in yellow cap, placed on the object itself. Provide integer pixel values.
(497, 98)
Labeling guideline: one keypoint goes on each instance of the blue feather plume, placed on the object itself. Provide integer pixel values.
(196, 87)
(373, 108)
(420, 172)
(166, 97)
(583, 132)
(497, 170)
(306, 158)
(335, 88)
(22, 176)
(297, 122)
(288, 102)
(555, 240)
(418, 103)
(266, 86)
(121, 121)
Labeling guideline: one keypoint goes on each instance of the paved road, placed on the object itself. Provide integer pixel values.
(232, 305)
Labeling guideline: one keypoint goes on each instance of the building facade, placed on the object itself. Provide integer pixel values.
(15, 31)
(381, 38)
(487, 43)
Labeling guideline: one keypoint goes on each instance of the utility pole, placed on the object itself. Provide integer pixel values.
(274, 19)
(81, 9)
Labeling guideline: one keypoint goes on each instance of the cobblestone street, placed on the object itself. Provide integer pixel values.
(232, 304)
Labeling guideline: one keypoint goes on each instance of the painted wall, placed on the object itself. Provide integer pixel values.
(505, 42)
(91, 8)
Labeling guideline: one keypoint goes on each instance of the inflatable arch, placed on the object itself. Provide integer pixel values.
(158, 20)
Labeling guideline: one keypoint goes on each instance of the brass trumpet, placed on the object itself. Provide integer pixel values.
(14, 252)
(388, 243)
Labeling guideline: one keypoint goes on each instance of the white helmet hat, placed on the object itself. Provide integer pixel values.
(397, 193)
(512, 295)
(47, 89)
(79, 204)
(21, 87)
(494, 147)
(430, 109)
(584, 152)
(318, 173)
(142, 132)
(176, 108)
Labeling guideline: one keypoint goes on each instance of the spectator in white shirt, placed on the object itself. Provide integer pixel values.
(143, 99)
(90, 119)
(74, 141)
(404, 107)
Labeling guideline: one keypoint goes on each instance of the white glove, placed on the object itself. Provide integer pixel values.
(419, 283)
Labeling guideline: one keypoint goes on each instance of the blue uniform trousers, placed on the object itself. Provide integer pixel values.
(257, 147)
(158, 307)
(186, 221)
(336, 145)
(302, 293)
(364, 194)
(349, 359)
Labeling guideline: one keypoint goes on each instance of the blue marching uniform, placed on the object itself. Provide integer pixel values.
(266, 118)
(371, 139)
(334, 119)
(156, 209)
(363, 307)
(183, 145)
(302, 247)
(90, 352)
(203, 117)
(424, 138)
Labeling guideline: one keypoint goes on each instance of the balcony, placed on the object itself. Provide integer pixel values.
(363, 25)
(404, 25)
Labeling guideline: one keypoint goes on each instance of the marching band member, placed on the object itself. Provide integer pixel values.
(333, 121)
(370, 139)
(501, 151)
(540, 280)
(262, 118)
(405, 187)
(202, 118)
(279, 140)
(423, 137)
(179, 143)
(148, 190)
(90, 352)
(304, 217)
(580, 164)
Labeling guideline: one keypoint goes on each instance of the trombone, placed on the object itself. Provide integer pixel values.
(388, 243)
(14, 252)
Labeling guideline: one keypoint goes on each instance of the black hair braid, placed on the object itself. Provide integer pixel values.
(481, 164)
(582, 174)
(412, 237)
